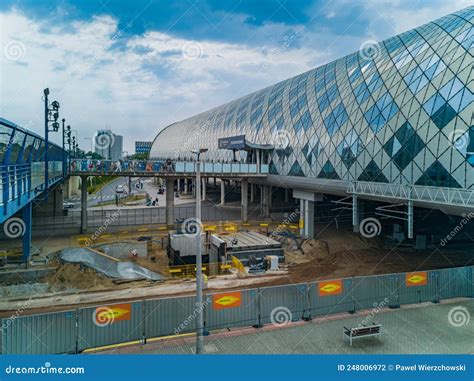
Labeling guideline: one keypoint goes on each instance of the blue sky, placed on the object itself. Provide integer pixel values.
(136, 66)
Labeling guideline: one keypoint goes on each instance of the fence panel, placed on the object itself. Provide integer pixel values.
(170, 316)
(283, 303)
(50, 333)
(372, 291)
(110, 324)
(231, 309)
(331, 296)
(419, 286)
(455, 282)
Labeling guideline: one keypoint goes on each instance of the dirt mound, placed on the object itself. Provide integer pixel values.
(69, 276)
(316, 249)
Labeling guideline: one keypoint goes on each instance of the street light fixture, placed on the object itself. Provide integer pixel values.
(51, 116)
(199, 278)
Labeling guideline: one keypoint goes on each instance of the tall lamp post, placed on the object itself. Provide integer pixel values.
(64, 146)
(199, 304)
(51, 115)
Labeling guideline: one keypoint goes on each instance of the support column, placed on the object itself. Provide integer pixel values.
(410, 219)
(222, 192)
(286, 195)
(170, 203)
(83, 204)
(266, 199)
(302, 217)
(258, 160)
(185, 186)
(203, 189)
(244, 197)
(27, 233)
(252, 193)
(355, 213)
(309, 219)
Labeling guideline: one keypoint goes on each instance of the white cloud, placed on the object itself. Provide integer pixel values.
(136, 89)
(138, 85)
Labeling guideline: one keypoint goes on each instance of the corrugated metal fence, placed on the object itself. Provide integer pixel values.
(75, 330)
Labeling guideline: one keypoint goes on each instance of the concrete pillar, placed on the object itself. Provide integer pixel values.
(83, 204)
(193, 183)
(215, 182)
(302, 217)
(286, 195)
(244, 197)
(266, 199)
(222, 191)
(269, 195)
(258, 160)
(309, 218)
(410, 219)
(170, 203)
(203, 189)
(252, 193)
(185, 186)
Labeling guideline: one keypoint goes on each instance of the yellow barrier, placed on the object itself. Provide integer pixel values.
(190, 270)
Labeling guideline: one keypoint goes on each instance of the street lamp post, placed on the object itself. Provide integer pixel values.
(51, 115)
(64, 148)
(199, 278)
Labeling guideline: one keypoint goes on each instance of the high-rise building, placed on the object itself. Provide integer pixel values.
(108, 145)
(142, 147)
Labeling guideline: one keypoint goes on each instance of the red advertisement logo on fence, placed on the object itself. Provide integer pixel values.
(331, 287)
(416, 279)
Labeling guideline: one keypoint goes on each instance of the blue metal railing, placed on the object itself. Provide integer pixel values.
(164, 166)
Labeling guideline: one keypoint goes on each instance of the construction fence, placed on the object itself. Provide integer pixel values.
(76, 330)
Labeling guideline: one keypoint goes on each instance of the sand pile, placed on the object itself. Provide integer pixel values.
(69, 276)
(316, 249)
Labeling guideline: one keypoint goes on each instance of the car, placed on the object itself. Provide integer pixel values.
(119, 189)
(68, 205)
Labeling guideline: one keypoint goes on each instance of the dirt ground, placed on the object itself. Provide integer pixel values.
(337, 254)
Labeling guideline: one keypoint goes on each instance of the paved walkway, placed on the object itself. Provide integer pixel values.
(415, 329)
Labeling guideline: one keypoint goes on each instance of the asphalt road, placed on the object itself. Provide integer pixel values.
(106, 193)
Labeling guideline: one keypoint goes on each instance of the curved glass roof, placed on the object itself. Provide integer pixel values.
(400, 111)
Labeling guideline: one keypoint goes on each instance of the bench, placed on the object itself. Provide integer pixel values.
(362, 331)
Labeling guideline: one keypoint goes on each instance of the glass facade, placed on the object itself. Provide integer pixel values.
(403, 115)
